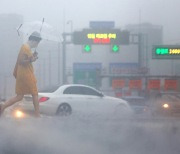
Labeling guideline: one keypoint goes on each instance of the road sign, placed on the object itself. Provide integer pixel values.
(118, 83)
(170, 84)
(123, 68)
(86, 73)
(135, 84)
(166, 52)
(154, 84)
(101, 37)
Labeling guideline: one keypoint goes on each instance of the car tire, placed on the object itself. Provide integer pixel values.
(64, 109)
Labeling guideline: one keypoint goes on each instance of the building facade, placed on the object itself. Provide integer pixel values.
(10, 43)
(129, 71)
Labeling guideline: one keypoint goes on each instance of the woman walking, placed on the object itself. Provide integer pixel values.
(24, 73)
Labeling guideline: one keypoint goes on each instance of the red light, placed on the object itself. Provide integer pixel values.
(96, 40)
(106, 41)
(43, 99)
(101, 41)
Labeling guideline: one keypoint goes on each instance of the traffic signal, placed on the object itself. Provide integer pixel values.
(115, 48)
(87, 48)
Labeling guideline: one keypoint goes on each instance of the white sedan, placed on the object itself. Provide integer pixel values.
(75, 99)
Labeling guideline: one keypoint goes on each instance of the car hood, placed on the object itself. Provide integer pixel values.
(116, 99)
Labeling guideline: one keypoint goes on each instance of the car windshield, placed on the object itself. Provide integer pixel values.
(171, 97)
(89, 76)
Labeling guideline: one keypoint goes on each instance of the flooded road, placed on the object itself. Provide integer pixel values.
(74, 135)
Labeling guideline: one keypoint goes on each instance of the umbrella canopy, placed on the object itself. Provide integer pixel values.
(47, 31)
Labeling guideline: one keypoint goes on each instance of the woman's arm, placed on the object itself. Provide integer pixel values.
(24, 59)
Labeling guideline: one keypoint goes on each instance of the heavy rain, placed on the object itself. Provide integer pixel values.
(94, 76)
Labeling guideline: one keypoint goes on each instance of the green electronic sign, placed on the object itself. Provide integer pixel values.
(166, 52)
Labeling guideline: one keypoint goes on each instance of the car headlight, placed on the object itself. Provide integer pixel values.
(18, 114)
(166, 106)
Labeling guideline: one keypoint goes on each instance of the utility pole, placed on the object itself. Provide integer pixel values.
(137, 39)
(64, 57)
(59, 62)
(64, 43)
(140, 50)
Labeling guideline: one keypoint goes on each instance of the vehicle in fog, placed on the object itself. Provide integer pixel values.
(166, 103)
(74, 99)
(137, 103)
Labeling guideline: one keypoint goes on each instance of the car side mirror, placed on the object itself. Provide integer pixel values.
(101, 95)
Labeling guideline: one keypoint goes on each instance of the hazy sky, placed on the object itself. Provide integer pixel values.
(123, 12)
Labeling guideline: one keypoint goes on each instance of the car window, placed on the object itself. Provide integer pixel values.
(73, 90)
(89, 91)
(81, 91)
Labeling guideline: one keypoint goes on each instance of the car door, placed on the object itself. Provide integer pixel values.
(95, 101)
(74, 97)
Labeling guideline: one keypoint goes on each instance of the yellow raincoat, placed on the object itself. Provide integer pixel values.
(24, 73)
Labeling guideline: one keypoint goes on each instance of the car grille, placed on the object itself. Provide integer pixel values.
(176, 110)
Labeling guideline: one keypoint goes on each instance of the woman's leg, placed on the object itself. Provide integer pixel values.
(36, 105)
(11, 102)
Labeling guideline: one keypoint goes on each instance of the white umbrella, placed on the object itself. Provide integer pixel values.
(46, 30)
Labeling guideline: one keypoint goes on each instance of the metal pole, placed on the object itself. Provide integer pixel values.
(139, 50)
(49, 68)
(64, 43)
(147, 53)
(64, 58)
(64, 47)
(59, 68)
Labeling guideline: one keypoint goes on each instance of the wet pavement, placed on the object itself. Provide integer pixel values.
(79, 135)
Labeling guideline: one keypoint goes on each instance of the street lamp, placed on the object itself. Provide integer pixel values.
(64, 43)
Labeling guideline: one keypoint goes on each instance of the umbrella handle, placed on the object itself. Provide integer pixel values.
(35, 53)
